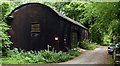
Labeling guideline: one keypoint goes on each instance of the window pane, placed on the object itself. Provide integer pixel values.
(35, 28)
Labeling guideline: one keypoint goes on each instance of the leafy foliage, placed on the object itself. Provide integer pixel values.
(87, 44)
(3, 27)
(6, 8)
(74, 10)
(103, 19)
(16, 56)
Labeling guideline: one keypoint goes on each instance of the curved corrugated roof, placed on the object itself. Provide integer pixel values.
(59, 14)
(71, 20)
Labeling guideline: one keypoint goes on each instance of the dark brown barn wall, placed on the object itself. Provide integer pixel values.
(24, 17)
(49, 25)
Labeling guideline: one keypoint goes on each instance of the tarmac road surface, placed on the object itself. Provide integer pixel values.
(97, 56)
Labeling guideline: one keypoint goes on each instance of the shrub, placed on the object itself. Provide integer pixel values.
(37, 57)
(6, 8)
(87, 44)
(106, 44)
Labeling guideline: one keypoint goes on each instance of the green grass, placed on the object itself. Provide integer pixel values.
(38, 57)
(110, 61)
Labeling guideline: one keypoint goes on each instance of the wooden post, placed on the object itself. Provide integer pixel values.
(48, 47)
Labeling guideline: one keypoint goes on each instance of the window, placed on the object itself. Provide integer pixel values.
(35, 27)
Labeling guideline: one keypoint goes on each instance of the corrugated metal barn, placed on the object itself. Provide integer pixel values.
(35, 26)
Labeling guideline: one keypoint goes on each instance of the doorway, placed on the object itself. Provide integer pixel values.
(74, 39)
(35, 36)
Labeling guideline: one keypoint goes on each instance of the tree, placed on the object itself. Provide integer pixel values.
(6, 8)
(103, 19)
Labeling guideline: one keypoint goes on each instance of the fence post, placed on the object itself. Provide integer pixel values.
(116, 56)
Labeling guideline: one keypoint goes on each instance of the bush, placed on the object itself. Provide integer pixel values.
(106, 44)
(37, 57)
(87, 44)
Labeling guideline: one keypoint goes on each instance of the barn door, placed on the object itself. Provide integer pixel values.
(74, 39)
(35, 35)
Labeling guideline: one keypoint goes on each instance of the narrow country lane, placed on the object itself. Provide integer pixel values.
(97, 56)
